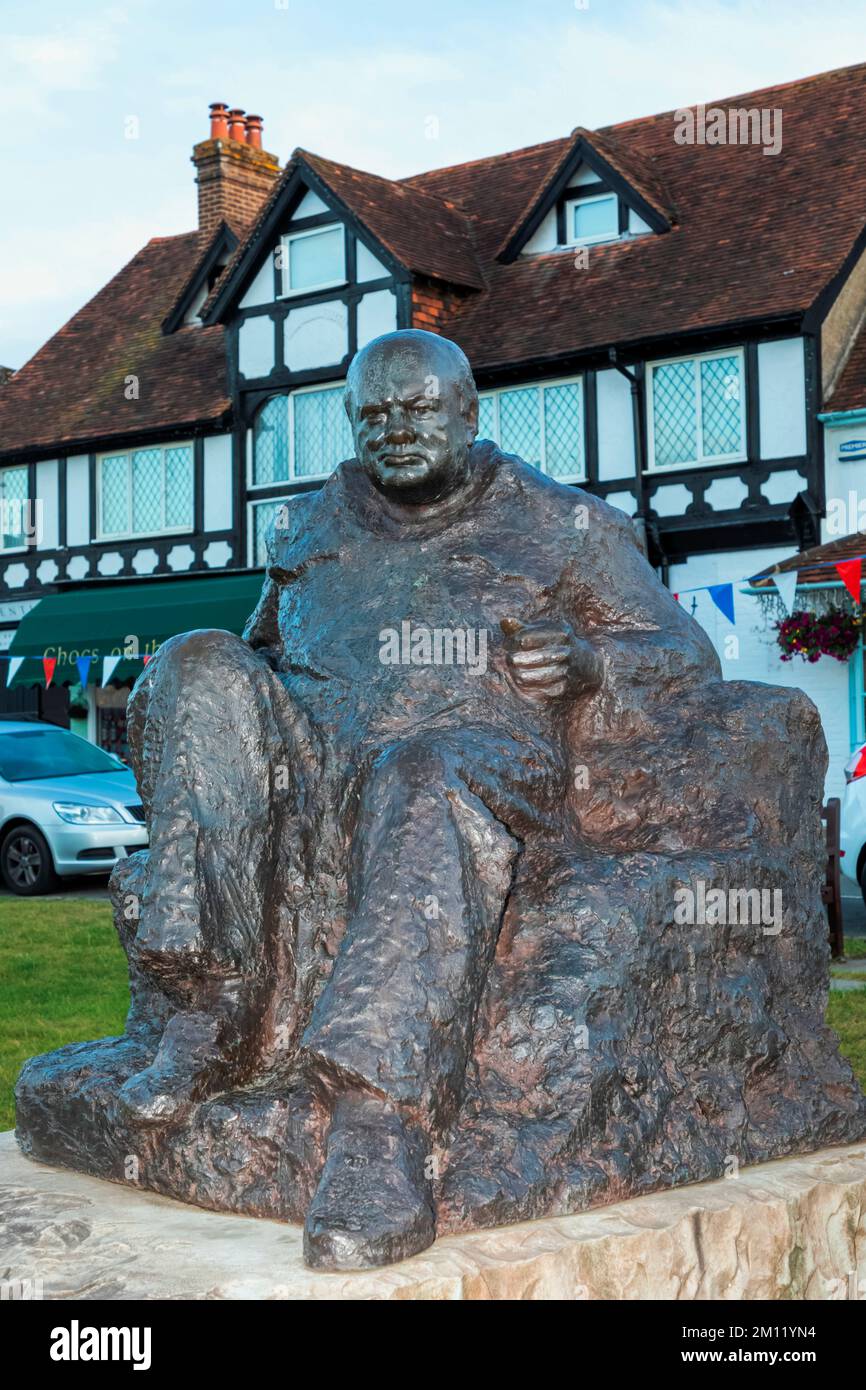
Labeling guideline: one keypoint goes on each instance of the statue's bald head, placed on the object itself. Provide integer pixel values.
(413, 406)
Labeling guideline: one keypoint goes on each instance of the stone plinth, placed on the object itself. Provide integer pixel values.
(794, 1228)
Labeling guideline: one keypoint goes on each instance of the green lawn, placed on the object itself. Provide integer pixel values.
(63, 979)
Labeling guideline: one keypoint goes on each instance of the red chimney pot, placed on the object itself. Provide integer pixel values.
(219, 126)
(254, 126)
(236, 124)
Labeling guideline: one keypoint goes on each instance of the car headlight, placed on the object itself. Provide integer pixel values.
(77, 814)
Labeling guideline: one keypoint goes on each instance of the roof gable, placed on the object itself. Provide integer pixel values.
(410, 231)
(222, 245)
(625, 173)
(72, 392)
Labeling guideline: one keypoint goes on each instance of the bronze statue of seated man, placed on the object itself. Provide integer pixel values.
(414, 845)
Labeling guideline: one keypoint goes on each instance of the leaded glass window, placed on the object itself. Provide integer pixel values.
(13, 505)
(271, 442)
(146, 492)
(697, 410)
(263, 514)
(542, 424)
(321, 432)
(302, 435)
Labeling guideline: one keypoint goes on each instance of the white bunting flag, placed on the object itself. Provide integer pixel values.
(786, 583)
(109, 666)
(15, 664)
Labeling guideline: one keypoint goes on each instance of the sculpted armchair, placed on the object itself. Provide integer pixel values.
(406, 954)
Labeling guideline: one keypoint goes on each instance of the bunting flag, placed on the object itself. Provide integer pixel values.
(146, 658)
(851, 574)
(48, 665)
(83, 664)
(15, 664)
(786, 583)
(109, 666)
(723, 597)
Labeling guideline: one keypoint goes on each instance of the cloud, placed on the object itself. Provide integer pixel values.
(73, 57)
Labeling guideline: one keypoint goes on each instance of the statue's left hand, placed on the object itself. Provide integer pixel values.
(546, 660)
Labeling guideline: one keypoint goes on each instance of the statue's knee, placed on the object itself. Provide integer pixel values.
(207, 658)
(417, 763)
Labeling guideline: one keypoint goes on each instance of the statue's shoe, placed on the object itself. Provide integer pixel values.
(374, 1203)
(178, 1076)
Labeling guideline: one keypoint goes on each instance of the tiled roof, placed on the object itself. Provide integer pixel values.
(816, 565)
(849, 392)
(639, 174)
(424, 231)
(73, 390)
(758, 236)
(754, 237)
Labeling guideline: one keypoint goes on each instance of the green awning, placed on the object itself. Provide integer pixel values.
(97, 622)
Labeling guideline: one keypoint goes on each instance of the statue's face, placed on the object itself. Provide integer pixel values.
(411, 434)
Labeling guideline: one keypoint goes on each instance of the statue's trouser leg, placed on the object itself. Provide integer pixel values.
(439, 826)
(224, 763)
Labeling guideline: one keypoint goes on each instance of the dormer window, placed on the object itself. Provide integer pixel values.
(313, 260)
(592, 219)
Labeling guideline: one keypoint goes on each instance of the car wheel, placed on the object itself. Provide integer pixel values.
(26, 863)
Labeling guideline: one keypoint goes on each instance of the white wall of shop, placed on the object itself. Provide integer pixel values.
(755, 656)
(845, 481)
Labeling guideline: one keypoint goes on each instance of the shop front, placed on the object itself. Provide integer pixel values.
(77, 654)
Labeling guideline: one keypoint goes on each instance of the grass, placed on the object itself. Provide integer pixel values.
(63, 977)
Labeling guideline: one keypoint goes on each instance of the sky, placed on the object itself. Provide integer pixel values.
(102, 104)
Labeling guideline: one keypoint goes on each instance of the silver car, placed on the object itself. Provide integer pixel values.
(66, 807)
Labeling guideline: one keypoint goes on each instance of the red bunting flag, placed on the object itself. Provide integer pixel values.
(146, 658)
(677, 597)
(851, 574)
(48, 665)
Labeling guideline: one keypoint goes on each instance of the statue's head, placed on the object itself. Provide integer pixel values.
(413, 407)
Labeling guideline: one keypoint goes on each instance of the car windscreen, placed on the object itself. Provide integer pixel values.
(26, 754)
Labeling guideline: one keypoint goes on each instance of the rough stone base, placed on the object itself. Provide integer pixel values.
(794, 1228)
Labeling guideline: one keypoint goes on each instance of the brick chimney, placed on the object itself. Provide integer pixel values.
(234, 174)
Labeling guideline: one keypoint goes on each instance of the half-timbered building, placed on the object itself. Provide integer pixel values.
(659, 318)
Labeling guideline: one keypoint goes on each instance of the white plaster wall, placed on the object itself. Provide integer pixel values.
(261, 289)
(256, 346)
(367, 267)
(316, 335)
(377, 313)
(310, 205)
(77, 501)
(544, 236)
(781, 398)
(615, 426)
(218, 482)
(757, 658)
(845, 481)
(47, 494)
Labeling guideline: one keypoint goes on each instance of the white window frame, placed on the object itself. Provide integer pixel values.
(286, 292)
(289, 396)
(703, 460)
(14, 549)
(101, 534)
(585, 202)
(540, 386)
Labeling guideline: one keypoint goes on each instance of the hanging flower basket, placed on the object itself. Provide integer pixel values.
(810, 635)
